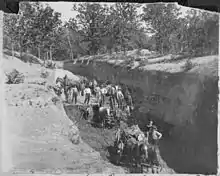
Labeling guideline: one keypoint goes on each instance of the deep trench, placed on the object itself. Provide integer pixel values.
(186, 148)
(100, 139)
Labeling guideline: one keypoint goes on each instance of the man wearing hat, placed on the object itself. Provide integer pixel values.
(87, 93)
(103, 93)
(120, 97)
(154, 135)
(150, 125)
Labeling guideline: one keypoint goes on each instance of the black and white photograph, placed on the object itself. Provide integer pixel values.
(109, 88)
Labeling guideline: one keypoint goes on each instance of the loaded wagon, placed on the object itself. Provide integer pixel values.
(134, 150)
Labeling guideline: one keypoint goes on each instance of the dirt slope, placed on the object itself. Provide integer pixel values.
(35, 130)
(182, 103)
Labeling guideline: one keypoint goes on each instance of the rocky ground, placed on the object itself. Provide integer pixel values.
(35, 130)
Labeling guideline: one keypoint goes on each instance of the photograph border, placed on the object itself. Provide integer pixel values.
(12, 6)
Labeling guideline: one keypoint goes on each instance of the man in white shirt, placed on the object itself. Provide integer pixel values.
(112, 96)
(98, 95)
(116, 87)
(120, 98)
(87, 93)
(103, 93)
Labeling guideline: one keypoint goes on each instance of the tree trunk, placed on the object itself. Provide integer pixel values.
(39, 52)
(47, 55)
(44, 57)
(124, 49)
(12, 49)
(51, 53)
(71, 49)
(162, 47)
(20, 48)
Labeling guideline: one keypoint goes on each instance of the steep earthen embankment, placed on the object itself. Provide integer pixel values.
(185, 105)
(36, 130)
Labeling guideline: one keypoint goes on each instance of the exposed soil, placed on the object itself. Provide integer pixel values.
(102, 140)
(35, 131)
(185, 107)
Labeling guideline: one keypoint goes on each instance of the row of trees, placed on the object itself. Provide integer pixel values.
(101, 28)
(195, 33)
(35, 29)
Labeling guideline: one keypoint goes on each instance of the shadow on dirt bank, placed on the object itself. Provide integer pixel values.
(191, 105)
(190, 149)
(99, 139)
(196, 145)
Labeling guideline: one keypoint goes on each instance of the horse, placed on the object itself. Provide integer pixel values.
(136, 153)
(59, 80)
(69, 86)
(58, 88)
(130, 146)
(142, 153)
(100, 114)
(104, 113)
(69, 82)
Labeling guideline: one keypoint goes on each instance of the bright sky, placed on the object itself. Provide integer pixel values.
(65, 9)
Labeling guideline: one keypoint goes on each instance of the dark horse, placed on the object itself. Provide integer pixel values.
(70, 84)
(134, 152)
(100, 114)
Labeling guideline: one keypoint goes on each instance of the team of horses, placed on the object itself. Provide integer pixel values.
(134, 152)
(142, 155)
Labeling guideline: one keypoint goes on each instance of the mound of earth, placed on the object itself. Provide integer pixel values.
(36, 130)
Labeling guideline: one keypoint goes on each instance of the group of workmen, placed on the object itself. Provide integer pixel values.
(117, 97)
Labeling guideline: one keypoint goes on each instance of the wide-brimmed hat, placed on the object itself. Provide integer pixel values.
(151, 121)
(154, 127)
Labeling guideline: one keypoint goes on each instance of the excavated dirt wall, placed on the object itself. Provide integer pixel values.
(184, 106)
